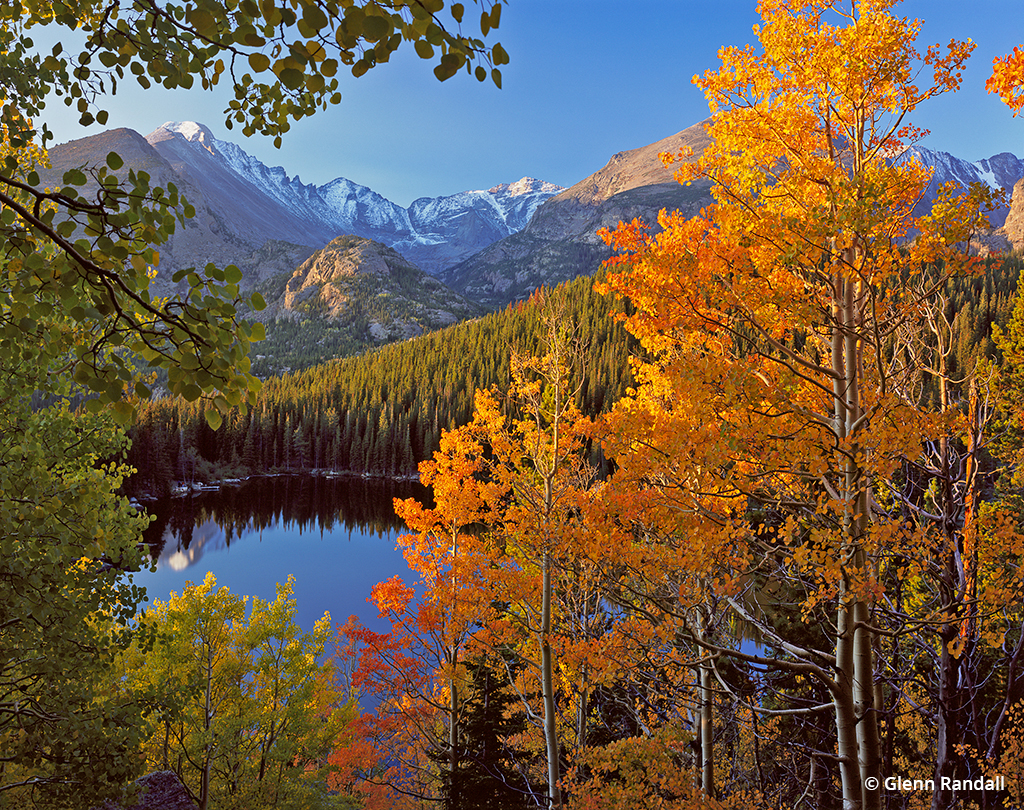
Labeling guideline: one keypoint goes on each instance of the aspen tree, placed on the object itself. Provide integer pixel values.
(770, 319)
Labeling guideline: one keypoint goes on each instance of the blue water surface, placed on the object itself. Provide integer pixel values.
(335, 537)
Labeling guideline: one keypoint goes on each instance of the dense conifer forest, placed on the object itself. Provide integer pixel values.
(380, 413)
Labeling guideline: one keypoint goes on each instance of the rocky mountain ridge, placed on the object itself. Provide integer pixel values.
(493, 247)
(1000, 171)
(432, 232)
(561, 240)
(241, 203)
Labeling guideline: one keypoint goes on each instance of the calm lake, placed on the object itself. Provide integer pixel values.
(335, 536)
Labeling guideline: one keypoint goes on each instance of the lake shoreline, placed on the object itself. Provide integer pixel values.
(181, 490)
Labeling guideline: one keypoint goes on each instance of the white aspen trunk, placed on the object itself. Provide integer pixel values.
(707, 740)
(582, 707)
(453, 709)
(855, 697)
(453, 735)
(846, 719)
(546, 662)
(707, 719)
(548, 691)
(865, 709)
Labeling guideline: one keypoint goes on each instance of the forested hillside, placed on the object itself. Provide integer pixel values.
(380, 413)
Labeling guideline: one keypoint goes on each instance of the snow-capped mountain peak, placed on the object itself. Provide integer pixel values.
(433, 232)
(190, 130)
(526, 185)
(194, 133)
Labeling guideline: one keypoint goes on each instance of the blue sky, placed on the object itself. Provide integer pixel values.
(588, 78)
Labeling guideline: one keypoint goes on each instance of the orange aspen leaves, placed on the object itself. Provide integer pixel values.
(1007, 79)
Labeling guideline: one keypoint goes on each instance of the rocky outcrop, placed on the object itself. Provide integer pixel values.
(274, 259)
(1013, 228)
(162, 790)
(368, 287)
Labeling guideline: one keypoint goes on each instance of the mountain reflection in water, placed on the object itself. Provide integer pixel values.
(336, 536)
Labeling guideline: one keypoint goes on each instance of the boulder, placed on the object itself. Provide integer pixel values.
(162, 790)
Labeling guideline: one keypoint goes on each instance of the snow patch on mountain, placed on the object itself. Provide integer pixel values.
(998, 172)
(189, 130)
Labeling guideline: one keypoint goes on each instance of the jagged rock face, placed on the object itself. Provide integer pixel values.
(242, 212)
(1013, 227)
(450, 229)
(999, 172)
(371, 288)
(561, 241)
(275, 258)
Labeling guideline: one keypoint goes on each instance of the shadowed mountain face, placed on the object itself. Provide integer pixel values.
(561, 240)
(233, 221)
(195, 243)
(245, 213)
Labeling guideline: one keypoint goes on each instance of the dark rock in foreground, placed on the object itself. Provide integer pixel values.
(162, 790)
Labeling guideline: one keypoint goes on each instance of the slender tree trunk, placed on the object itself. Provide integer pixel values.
(582, 707)
(548, 690)
(855, 694)
(761, 785)
(707, 739)
(453, 709)
(707, 719)
(846, 716)
(167, 745)
(947, 732)
(453, 741)
(955, 694)
(204, 788)
(866, 709)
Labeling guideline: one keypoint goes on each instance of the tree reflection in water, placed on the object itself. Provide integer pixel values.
(335, 535)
